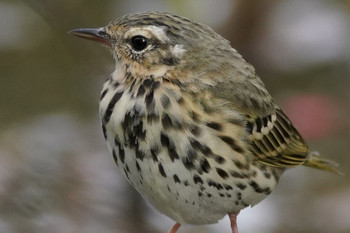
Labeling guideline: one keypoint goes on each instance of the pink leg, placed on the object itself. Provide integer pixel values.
(175, 228)
(233, 219)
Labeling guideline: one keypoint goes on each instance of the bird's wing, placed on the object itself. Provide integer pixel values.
(274, 140)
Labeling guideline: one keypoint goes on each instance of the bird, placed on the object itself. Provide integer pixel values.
(189, 122)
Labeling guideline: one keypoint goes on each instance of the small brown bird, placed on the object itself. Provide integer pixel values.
(189, 122)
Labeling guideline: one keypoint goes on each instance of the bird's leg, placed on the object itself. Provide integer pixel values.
(175, 228)
(233, 220)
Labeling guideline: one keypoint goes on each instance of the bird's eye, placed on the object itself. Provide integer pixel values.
(139, 43)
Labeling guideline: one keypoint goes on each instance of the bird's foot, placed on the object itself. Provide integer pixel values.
(233, 220)
(175, 228)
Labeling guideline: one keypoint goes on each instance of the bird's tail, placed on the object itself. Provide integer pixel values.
(315, 161)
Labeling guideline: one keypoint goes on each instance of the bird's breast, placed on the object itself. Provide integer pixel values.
(180, 151)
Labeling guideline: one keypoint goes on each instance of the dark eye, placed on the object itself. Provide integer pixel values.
(139, 43)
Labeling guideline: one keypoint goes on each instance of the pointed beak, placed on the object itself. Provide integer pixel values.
(95, 34)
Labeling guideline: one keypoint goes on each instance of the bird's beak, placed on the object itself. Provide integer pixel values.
(95, 34)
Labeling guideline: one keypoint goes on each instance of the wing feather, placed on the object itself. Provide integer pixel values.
(276, 142)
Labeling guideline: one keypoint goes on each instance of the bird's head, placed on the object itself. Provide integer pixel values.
(157, 41)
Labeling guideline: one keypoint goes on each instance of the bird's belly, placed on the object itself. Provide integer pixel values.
(188, 170)
(187, 196)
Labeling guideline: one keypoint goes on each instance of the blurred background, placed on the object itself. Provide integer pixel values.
(56, 174)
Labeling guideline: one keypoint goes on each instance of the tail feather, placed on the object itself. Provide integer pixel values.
(315, 161)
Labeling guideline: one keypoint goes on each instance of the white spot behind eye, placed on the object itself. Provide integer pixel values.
(159, 32)
(178, 50)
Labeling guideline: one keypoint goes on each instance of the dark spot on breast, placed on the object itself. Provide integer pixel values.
(240, 165)
(223, 174)
(187, 163)
(131, 140)
(128, 76)
(228, 187)
(147, 83)
(104, 131)
(176, 179)
(232, 143)
(150, 101)
(194, 116)
(214, 184)
(116, 141)
(219, 159)
(139, 132)
(141, 91)
(155, 85)
(129, 120)
(161, 170)
(195, 130)
(166, 121)
(115, 84)
(132, 86)
(236, 174)
(165, 101)
(139, 154)
(259, 189)
(111, 105)
(180, 100)
(191, 154)
(241, 186)
(239, 196)
(138, 166)
(267, 191)
(103, 94)
(197, 179)
(205, 166)
(172, 153)
(127, 168)
(221, 195)
(121, 154)
(214, 125)
(200, 194)
(154, 153)
(275, 174)
(115, 156)
(152, 118)
(196, 145)
(186, 183)
(164, 139)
